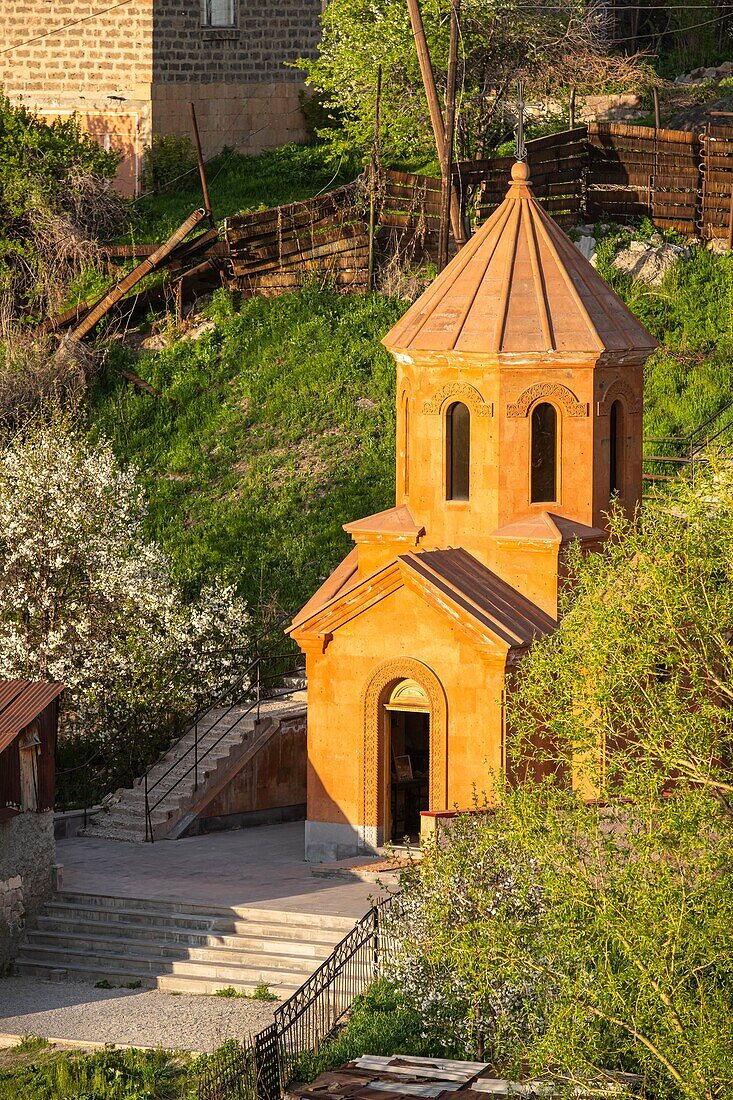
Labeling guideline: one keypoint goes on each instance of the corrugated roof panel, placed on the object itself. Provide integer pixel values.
(20, 702)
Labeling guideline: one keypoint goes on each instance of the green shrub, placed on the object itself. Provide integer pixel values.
(54, 196)
(167, 159)
(380, 1023)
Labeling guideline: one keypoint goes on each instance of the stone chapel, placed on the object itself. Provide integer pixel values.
(519, 418)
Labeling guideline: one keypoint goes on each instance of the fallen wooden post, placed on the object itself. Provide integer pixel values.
(148, 265)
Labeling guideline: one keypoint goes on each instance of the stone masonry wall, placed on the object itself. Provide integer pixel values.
(246, 94)
(27, 858)
(111, 54)
(266, 37)
(130, 73)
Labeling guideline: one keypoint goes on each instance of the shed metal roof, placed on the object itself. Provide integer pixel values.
(21, 701)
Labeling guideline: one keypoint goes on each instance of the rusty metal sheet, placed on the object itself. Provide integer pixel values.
(21, 701)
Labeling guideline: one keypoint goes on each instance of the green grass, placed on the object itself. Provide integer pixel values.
(274, 430)
(34, 1070)
(239, 183)
(261, 992)
(690, 377)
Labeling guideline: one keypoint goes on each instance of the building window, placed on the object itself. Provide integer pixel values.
(458, 451)
(217, 13)
(544, 454)
(617, 449)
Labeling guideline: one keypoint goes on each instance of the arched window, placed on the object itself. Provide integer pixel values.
(458, 452)
(616, 453)
(543, 485)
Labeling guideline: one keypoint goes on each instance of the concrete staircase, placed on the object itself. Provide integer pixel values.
(224, 734)
(175, 946)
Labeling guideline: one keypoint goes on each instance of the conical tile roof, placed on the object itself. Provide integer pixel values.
(520, 287)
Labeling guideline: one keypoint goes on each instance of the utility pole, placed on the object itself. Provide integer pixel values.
(450, 130)
(374, 178)
(202, 167)
(436, 116)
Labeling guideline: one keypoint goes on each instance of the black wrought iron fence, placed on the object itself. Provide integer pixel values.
(261, 1068)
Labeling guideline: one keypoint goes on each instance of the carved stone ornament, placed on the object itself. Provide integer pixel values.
(621, 389)
(461, 391)
(552, 390)
(377, 693)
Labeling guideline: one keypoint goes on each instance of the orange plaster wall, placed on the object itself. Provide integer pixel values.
(500, 447)
(401, 625)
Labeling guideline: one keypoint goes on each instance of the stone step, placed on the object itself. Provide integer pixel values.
(60, 927)
(215, 918)
(144, 965)
(43, 945)
(202, 986)
(117, 976)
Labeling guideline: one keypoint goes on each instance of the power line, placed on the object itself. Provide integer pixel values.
(674, 30)
(65, 27)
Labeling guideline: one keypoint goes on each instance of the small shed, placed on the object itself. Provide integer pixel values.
(29, 718)
(407, 1077)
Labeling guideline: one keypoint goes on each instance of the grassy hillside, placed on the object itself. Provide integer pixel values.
(275, 428)
(277, 425)
(691, 376)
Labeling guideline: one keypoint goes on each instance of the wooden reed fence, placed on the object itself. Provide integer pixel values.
(680, 180)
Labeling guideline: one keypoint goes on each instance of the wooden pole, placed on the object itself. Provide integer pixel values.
(657, 118)
(436, 116)
(373, 176)
(571, 113)
(202, 167)
(450, 130)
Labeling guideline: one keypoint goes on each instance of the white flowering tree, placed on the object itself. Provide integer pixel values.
(87, 600)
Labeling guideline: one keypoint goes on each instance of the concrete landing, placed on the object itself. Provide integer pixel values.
(260, 867)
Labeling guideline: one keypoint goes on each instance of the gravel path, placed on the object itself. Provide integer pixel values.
(149, 1018)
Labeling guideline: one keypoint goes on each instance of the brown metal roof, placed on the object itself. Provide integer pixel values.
(497, 606)
(21, 701)
(520, 286)
(395, 521)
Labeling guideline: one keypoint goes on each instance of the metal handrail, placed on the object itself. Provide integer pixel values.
(252, 704)
(193, 721)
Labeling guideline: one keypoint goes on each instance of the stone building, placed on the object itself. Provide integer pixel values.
(519, 417)
(130, 71)
(28, 728)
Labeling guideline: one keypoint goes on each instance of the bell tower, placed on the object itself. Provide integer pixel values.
(519, 399)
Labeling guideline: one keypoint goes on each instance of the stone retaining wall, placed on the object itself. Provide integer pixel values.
(27, 860)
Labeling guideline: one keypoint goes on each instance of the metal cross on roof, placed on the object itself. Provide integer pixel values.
(521, 148)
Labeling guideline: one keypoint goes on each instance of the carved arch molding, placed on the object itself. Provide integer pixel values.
(623, 390)
(462, 391)
(375, 696)
(552, 390)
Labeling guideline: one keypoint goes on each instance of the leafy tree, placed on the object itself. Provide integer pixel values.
(581, 935)
(86, 600)
(500, 40)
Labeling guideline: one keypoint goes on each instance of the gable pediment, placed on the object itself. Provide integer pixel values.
(487, 611)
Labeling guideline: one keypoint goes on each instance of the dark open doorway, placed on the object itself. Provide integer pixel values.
(410, 772)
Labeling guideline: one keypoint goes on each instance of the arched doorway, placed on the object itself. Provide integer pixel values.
(407, 763)
(401, 680)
